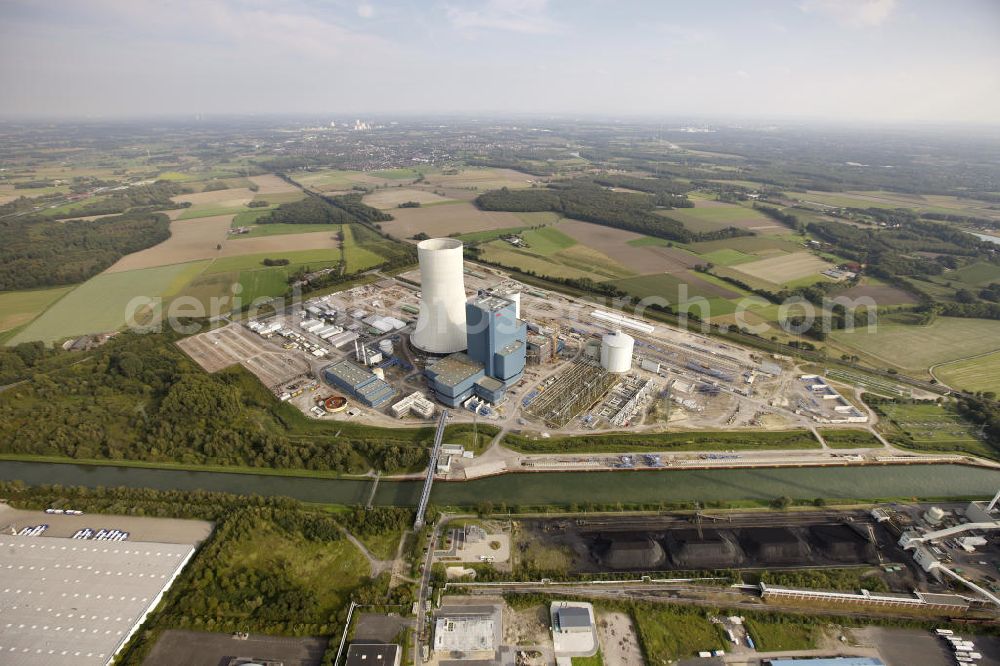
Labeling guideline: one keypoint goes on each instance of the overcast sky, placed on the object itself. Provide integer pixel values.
(884, 60)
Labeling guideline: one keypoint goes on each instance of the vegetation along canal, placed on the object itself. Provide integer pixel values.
(563, 488)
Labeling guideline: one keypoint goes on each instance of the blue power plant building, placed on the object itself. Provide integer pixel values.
(495, 359)
(496, 337)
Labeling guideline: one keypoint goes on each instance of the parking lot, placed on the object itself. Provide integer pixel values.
(196, 648)
(140, 528)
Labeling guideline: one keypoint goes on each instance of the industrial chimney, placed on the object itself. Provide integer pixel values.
(441, 323)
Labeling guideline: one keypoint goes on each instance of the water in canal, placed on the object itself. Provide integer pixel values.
(551, 487)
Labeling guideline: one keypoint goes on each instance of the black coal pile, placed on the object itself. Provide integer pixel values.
(773, 545)
(621, 551)
(842, 543)
(711, 549)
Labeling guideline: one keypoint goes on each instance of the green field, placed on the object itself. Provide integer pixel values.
(356, 257)
(916, 348)
(981, 373)
(727, 257)
(265, 283)
(276, 198)
(210, 211)
(547, 241)
(262, 572)
(280, 229)
(711, 218)
(667, 285)
(979, 274)
(849, 438)
(577, 261)
(17, 308)
(100, 303)
(247, 217)
(668, 633)
(930, 426)
(760, 245)
(489, 234)
(779, 634)
(619, 442)
(313, 258)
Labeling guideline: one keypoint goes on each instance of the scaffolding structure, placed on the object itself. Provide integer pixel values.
(583, 384)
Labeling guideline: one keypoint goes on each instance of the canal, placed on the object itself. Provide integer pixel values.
(557, 488)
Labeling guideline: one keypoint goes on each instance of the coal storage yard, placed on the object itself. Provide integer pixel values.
(664, 543)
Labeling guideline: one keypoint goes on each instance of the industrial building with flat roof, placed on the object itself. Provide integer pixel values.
(70, 601)
(471, 632)
(359, 382)
(456, 378)
(373, 654)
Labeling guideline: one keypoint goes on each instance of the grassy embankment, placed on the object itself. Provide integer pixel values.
(621, 442)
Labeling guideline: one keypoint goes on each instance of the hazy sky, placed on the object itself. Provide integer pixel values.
(913, 60)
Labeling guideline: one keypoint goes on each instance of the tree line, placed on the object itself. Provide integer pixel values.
(592, 203)
(139, 397)
(39, 252)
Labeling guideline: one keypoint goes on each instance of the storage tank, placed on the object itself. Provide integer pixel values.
(385, 346)
(934, 515)
(616, 352)
(440, 326)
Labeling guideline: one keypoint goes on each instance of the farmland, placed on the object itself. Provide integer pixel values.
(356, 256)
(100, 304)
(458, 218)
(715, 215)
(190, 240)
(216, 202)
(390, 198)
(980, 373)
(242, 262)
(915, 348)
(281, 243)
(881, 199)
(20, 307)
(785, 269)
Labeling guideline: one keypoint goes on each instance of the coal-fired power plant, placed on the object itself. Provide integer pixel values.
(441, 324)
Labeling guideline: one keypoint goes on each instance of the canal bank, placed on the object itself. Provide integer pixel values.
(551, 488)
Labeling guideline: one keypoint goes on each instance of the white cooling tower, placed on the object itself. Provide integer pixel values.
(616, 352)
(441, 323)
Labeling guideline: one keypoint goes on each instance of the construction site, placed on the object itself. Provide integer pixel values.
(469, 337)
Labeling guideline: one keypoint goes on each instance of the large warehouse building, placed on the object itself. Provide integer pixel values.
(359, 382)
(69, 602)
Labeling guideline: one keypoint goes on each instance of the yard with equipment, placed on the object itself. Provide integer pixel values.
(932, 427)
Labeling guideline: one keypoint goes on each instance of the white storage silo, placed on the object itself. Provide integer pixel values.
(616, 352)
(516, 297)
(440, 326)
(386, 346)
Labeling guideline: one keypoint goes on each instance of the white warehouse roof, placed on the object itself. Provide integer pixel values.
(69, 601)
